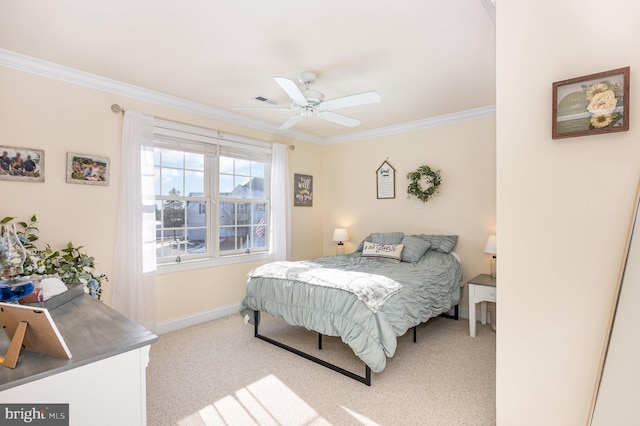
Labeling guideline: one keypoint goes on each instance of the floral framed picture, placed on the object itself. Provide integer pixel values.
(591, 105)
(21, 164)
(87, 169)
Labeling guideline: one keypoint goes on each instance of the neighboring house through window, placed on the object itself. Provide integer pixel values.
(212, 195)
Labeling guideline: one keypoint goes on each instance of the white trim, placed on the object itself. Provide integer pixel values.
(189, 265)
(200, 318)
(442, 120)
(58, 72)
(50, 70)
(490, 6)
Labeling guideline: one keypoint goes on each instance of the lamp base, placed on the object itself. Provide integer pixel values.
(492, 267)
(340, 249)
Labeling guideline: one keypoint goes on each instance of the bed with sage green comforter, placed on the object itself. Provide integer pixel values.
(430, 287)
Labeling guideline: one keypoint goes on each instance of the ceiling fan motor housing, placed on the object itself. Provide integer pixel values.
(313, 96)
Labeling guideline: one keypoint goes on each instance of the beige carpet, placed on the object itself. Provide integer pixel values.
(219, 374)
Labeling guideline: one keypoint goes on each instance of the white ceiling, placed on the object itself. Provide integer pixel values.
(425, 58)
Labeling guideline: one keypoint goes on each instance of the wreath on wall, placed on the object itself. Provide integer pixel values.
(433, 181)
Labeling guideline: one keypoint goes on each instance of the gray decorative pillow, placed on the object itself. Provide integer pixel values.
(441, 243)
(383, 238)
(414, 248)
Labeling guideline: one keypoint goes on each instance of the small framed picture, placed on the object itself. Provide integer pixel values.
(302, 190)
(591, 105)
(87, 169)
(21, 164)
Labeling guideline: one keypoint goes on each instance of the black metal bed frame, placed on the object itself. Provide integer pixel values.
(366, 378)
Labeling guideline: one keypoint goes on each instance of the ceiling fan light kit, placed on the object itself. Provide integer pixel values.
(309, 102)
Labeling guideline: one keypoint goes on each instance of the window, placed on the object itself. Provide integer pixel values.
(211, 194)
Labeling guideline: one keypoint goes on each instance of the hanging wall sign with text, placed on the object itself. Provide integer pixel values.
(386, 181)
(302, 190)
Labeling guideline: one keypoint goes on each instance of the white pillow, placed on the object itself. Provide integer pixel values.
(50, 287)
(388, 252)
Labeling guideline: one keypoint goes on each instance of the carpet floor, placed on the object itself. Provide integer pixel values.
(217, 373)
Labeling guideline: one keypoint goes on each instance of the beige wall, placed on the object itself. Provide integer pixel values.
(465, 205)
(59, 117)
(563, 206)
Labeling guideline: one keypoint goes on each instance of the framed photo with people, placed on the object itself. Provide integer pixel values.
(87, 169)
(21, 164)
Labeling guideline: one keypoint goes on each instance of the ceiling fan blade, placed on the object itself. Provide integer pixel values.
(290, 122)
(263, 108)
(292, 90)
(351, 100)
(338, 118)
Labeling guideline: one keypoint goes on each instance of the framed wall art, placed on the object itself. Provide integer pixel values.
(87, 169)
(591, 105)
(386, 181)
(302, 190)
(21, 164)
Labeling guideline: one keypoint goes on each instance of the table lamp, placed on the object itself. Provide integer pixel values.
(490, 248)
(340, 235)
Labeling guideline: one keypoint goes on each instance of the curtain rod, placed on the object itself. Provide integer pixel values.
(118, 109)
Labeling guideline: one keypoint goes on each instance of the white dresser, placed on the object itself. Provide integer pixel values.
(104, 382)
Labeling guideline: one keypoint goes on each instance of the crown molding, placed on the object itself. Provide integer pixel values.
(412, 126)
(70, 75)
(47, 69)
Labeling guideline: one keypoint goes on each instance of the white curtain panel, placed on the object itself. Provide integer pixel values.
(280, 204)
(135, 257)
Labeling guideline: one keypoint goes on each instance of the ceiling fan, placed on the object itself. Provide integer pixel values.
(308, 102)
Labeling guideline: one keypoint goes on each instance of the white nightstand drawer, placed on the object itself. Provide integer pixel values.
(482, 292)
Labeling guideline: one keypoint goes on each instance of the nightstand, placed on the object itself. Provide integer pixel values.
(482, 289)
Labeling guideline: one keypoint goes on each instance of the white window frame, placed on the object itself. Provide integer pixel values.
(169, 135)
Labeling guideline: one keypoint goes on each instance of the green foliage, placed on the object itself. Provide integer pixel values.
(70, 263)
(433, 180)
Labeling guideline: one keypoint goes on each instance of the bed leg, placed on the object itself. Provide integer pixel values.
(414, 335)
(367, 376)
(454, 316)
(320, 341)
(256, 322)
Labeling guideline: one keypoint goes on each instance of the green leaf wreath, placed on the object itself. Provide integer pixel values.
(433, 180)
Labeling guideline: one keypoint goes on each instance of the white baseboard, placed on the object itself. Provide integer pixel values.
(463, 313)
(188, 321)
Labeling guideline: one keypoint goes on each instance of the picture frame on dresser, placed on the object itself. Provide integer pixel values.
(32, 329)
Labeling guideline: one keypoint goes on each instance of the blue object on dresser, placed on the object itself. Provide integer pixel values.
(15, 289)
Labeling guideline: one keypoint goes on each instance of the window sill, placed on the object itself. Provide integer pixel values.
(188, 265)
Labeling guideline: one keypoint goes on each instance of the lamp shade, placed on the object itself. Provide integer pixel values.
(340, 235)
(491, 245)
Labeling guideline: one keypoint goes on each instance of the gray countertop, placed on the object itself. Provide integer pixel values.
(92, 331)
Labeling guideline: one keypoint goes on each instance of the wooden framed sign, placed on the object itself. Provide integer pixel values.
(302, 190)
(386, 181)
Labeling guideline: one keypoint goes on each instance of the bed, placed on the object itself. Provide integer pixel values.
(390, 284)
